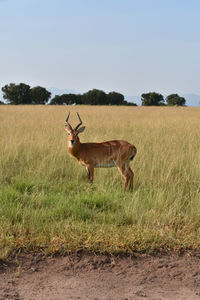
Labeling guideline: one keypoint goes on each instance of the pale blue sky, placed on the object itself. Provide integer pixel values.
(129, 46)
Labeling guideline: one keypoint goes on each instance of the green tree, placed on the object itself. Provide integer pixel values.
(1, 103)
(56, 100)
(17, 93)
(175, 99)
(114, 98)
(95, 97)
(39, 95)
(152, 99)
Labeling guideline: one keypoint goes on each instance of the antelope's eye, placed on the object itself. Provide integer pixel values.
(69, 133)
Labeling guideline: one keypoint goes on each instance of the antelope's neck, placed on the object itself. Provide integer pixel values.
(74, 149)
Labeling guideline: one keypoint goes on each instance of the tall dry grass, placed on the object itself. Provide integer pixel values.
(47, 203)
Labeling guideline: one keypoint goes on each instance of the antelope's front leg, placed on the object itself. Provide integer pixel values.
(90, 172)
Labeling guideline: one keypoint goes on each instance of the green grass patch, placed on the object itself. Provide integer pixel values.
(47, 203)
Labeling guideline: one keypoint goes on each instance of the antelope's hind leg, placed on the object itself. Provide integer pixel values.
(129, 171)
(122, 170)
(88, 172)
(131, 175)
(128, 176)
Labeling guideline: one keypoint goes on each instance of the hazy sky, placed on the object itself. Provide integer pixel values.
(129, 46)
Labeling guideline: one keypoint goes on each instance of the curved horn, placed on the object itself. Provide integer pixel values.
(79, 123)
(70, 127)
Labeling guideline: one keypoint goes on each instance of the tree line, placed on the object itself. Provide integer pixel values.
(24, 94)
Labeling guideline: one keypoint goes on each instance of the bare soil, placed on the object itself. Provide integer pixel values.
(89, 276)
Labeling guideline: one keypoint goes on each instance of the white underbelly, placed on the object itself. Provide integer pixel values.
(105, 165)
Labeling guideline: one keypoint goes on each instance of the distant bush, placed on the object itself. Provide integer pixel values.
(152, 99)
(175, 99)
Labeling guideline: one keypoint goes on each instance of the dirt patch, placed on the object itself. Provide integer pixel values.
(88, 276)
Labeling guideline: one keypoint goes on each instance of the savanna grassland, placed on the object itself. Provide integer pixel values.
(47, 203)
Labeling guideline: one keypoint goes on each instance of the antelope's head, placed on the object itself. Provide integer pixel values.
(73, 138)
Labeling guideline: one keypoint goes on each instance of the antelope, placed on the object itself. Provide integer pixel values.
(116, 153)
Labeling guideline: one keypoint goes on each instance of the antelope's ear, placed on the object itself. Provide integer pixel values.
(81, 129)
(67, 129)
